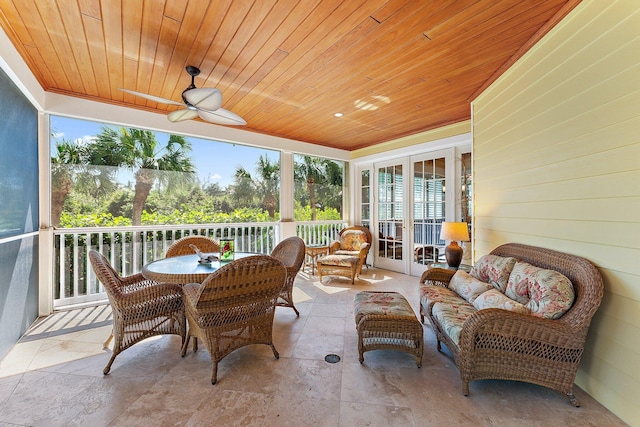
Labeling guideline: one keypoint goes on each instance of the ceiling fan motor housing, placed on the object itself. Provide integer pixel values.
(193, 72)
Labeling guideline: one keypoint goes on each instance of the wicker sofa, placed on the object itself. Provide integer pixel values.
(540, 342)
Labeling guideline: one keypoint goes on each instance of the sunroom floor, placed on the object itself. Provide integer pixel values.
(53, 376)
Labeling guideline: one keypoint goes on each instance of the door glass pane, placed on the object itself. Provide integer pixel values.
(390, 212)
(465, 189)
(365, 214)
(428, 209)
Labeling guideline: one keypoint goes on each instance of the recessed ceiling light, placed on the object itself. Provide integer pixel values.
(338, 114)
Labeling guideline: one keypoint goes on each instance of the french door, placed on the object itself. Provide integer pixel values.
(390, 218)
(429, 209)
(404, 203)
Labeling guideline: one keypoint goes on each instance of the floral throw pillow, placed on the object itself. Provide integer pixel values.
(467, 286)
(547, 293)
(494, 269)
(495, 299)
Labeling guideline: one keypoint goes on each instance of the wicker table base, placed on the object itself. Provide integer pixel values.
(313, 252)
(385, 320)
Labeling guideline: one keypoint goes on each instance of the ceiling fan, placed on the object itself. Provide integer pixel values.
(199, 102)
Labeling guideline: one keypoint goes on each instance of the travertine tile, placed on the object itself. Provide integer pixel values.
(317, 346)
(53, 377)
(358, 414)
(294, 412)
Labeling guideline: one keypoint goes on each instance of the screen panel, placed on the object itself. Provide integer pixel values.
(18, 161)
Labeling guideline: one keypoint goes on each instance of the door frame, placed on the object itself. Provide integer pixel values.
(456, 145)
(400, 265)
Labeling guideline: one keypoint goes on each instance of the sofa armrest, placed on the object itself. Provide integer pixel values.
(437, 276)
(503, 330)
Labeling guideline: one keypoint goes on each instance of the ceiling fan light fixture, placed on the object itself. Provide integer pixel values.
(338, 114)
(206, 98)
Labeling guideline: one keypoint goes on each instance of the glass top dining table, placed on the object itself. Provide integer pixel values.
(184, 269)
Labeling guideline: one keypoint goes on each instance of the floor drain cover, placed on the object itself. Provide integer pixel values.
(332, 358)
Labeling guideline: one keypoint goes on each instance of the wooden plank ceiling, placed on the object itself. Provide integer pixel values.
(392, 67)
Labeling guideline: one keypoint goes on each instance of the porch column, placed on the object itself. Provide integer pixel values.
(287, 224)
(45, 251)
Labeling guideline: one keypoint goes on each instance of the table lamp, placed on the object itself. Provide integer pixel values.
(454, 231)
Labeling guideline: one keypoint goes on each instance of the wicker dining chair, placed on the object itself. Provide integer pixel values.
(182, 246)
(234, 307)
(141, 308)
(291, 252)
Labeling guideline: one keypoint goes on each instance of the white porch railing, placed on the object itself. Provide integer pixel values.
(129, 248)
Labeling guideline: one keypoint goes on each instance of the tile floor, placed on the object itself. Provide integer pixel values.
(53, 376)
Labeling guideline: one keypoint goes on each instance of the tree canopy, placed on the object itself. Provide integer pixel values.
(90, 188)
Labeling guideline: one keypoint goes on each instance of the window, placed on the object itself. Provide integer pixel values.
(105, 175)
(318, 187)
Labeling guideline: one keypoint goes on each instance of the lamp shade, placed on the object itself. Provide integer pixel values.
(456, 231)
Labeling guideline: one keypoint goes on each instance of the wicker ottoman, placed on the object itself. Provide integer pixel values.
(385, 320)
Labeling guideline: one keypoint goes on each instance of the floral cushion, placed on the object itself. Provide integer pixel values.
(467, 286)
(451, 317)
(494, 269)
(350, 253)
(546, 293)
(352, 240)
(432, 293)
(363, 245)
(383, 303)
(339, 260)
(496, 299)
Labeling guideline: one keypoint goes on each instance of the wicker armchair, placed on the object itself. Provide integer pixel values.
(234, 307)
(141, 308)
(291, 252)
(346, 255)
(500, 344)
(181, 246)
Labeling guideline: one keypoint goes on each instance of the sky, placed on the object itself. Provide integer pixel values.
(214, 161)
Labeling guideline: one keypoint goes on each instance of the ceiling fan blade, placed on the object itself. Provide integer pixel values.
(221, 117)
(207, 98)
(182, 115)
(151, 97)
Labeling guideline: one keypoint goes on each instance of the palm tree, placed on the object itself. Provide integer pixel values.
(72, 171)
(242, 190)
(69, 157)
(140, 152)
(314, 172)
(268, 185)
(330, 193)
(246, 189)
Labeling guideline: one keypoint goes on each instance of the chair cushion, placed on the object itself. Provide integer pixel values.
(495, 299)
(433, 293)
(467, 286)
(494, 269)
(350, 253)
(381, 303)
(352, 240)
(546, 293)
(451, 317)
(339, 260)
